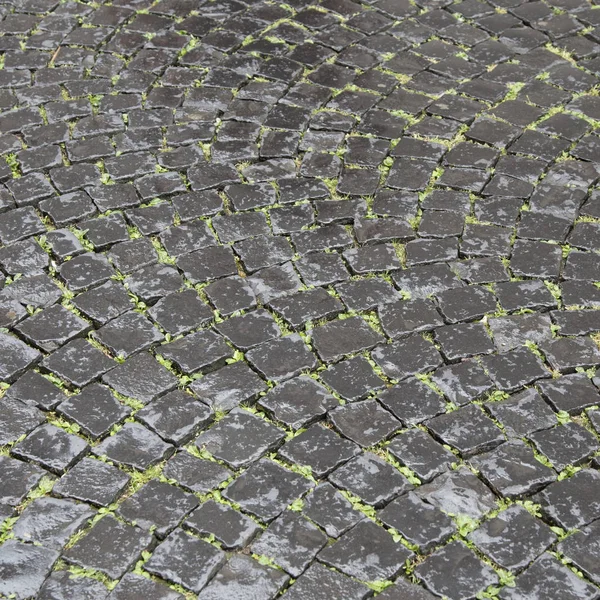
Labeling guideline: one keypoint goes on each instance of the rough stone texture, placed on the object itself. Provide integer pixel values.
(290, 285)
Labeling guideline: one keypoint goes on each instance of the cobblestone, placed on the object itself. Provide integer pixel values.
(299, 299)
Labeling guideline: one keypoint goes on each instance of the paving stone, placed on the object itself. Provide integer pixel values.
(176, 560)
(110, 547)
(50, 522)
(418, 451)
(513, 539)
(60, 585)
(250, 329)
(466, 304)
(582, 550)
(370, 478)
(400, 319)
(464, 341)
(406, 357)
(512, 470)
(418, 522)
(241, 576)
(24, 568)
(141, 377)
(92, 481)
(259, 437)
(282, 358)
(463, 382)
(467, 429)
(502, 369)
(298, 402)
(298, 309)
(349, 552)
(547, 574)
(522, 413)
(291, 541)
(571, 393)
(458, 493)
(51, 447)
(231, 528)
(319, 448)
(412, 401)
(319, 582)
(456, 571)
(567, 444)
(132, 585)
(128, 334)
(266, 488)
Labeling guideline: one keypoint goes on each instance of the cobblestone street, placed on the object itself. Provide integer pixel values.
(299, 300)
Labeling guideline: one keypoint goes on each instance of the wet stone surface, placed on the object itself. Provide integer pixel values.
(299, 299)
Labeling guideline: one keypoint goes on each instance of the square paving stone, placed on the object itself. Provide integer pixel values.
(133, 585)
(207, 264)
(291, 541)
(571, 393)
(176, 417)
(463, 382)
(153, 282)
(244, 577)
(134, 446)
(185, 560)
(35, 390)
(418, 451)
(365, 294)
(17, 419)
(259, 437)
(266, 488)
(23, 568)
(230, 294)
(535, 259)
(85, 271)
(366, 552)
(513, 539)
(282, 358)
(412, 401)
(303, 307)
(320, 583)
(52, 448)
(514, 369)
(94, 409)
(406, 357)
(456, 571)
(230, 527)
(92, 481)
(141, 377)
(298, 402)
(418, 522)
(522, 413)
(103, 303)
(322, 268)
(515, 330)
(229, 387)
(250, 329)
(458, 493)
(347, 336)
(330, 510)
(365, 423)
(78, 363)
(572, 502)
(547, 576)
(582, 549)
(61, 586)
(128, 334)
(195, 474)
(18, 478)
(466, 304)
(181, 312)
(370, 478)
(352, 378)
(52, 327)
(403, 318)
(202, 351)
(512, 470)
(50, 522)
(157, 507)
(319, 448)
(566, 444)
(567, 354)
(464, 340)
(467, 429)
(110, 547)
